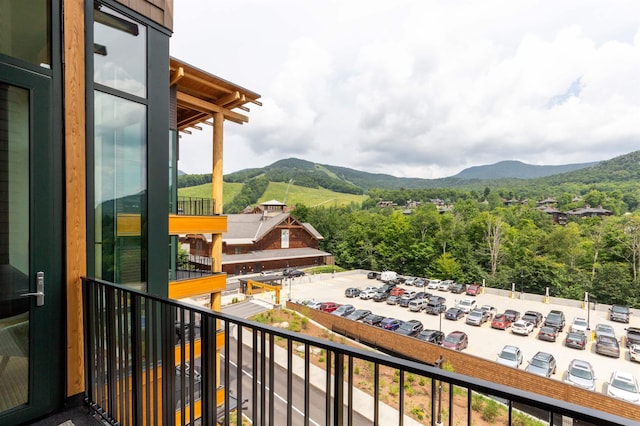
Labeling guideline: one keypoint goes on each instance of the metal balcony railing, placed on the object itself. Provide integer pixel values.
(151, 360)
(192, 206)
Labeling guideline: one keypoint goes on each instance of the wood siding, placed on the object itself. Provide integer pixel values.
(160, 11)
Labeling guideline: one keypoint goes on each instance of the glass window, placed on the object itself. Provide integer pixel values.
(120, 189)
(120, 52)
(25, 28)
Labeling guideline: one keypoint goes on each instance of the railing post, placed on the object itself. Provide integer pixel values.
(338, 393)
(168, 332)
(136, 360)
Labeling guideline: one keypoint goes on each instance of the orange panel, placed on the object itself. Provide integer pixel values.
(182, 224)
(198, 286)
(128, 225)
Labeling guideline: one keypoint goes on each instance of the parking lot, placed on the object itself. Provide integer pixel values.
(484, 341)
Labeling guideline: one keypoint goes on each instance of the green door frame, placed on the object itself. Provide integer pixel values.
(46, 325)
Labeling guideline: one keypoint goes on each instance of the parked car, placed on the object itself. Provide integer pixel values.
(393, 300)
(473, 290)
(522, 327)
(390, 323)
(579, 324)
(372, 275)
(329, 306)
(490, 309)
(477, 317)
(608, 346)
(352, 292)
(373, 319)
(550, 334)
(419, 282)
(417, 304)
(406, 298)
(368, 294)
(380, 296)
(268, 273)
(292, 273)
(511, 356)
(576, 340)
(619, 313)
(458, 288)
(397, 291)
(358, 314)
(314, 304)
(533, 317)
(410, 328)
(445, 285)
(433, 284)
(580, 374)
(555, 319)
(542, 364)
(436, 305)
(634, 353)
(409, 281)
(500, 321)
(604, 330)
(624, 386)
(512, 315)
(454, 314)
(467, 305)
(344, 310)
(632, 337)
(431, 336)
(457, 340)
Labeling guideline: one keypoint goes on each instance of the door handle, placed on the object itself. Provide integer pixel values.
(39, 294)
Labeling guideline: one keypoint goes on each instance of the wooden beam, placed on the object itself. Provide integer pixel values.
(204, 106)
(231, 97)
(177, 76)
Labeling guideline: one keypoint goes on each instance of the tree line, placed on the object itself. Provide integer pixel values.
(476, 241)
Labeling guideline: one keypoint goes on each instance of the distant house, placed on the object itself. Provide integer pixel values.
(547, 202)
(588, 211)
(268, 237)
(382, 204)
(559, 217)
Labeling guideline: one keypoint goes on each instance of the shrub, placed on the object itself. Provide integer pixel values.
(418, 412)
(490, 412)
(477, 402)
(422, 381)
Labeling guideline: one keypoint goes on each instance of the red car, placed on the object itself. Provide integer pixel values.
(456, 340)
(473, 290)
(500, 321)
(397, 291)
(329, 306)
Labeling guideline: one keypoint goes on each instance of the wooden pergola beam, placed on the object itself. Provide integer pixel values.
(208, 107)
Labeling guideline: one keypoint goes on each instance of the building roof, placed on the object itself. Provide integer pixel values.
(268, 255)
(249, 228)
(201, 94)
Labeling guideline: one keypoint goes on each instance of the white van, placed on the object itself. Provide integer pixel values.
(387, 276)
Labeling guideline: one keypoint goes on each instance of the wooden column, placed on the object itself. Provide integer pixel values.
(75, 188)
(216, 194)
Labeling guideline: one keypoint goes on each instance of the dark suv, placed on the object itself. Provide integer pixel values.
(632, 337)
(410, 328)
(619, 313)
(436, 305)
(542, 364)
(555, 319)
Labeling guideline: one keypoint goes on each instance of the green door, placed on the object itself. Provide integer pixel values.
(31, 256)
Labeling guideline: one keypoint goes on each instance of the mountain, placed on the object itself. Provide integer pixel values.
(518, 169)
(343, 179)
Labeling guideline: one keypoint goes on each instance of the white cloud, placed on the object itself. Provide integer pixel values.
(421, 88)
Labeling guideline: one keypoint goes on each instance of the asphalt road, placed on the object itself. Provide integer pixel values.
(484, 341)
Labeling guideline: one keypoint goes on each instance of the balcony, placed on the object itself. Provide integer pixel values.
(150, 359)
(196, 216)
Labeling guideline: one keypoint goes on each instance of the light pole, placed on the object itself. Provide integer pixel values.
(438, 363)
(588, 303)
(521, 285)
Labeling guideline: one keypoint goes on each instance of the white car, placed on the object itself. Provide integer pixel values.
(634, 353)
(368, 293)
(314, 304)
(510, 356)
(467, 305)
(522, 327)
(624, 386)
(579, 324)
(433, 284)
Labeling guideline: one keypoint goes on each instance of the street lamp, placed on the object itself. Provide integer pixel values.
(521, 285)
(588, 303)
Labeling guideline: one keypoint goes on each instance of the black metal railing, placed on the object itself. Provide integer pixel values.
(193, 206)
(142, 363)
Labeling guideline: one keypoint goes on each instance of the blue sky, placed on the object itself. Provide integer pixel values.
(418, 88)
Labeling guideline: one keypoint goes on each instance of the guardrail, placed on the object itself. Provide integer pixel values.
(149, 358)
(192, 206)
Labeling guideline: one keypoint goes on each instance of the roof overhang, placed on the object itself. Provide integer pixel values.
(200, 95)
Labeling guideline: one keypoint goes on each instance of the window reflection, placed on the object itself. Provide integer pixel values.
(120, 49)
(25, 28)
(120, 189)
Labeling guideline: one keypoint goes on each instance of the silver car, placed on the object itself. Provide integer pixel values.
(511, 356)
(580, 374)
